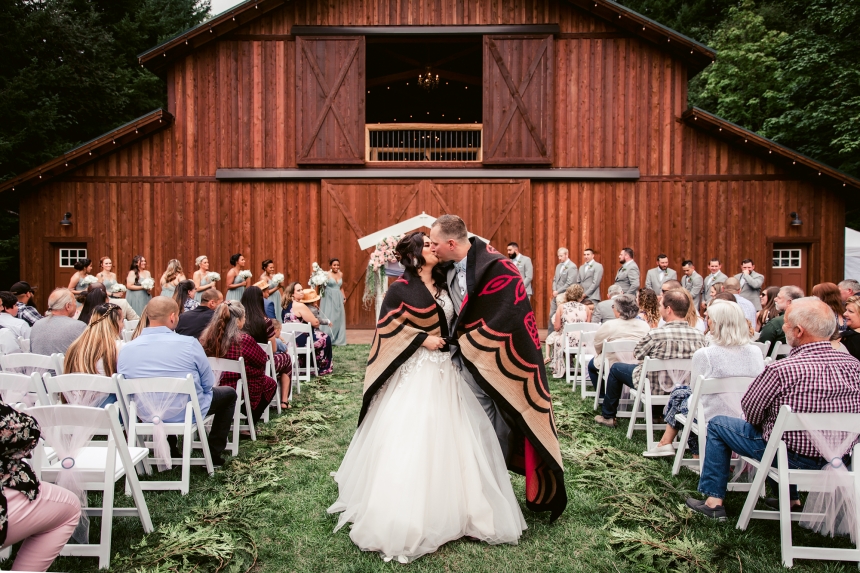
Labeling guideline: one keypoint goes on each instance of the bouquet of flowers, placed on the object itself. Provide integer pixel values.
(277, 279)
(213, 277)
(382, 254)
(118, 288)
(88, 280)
(244, 275)
(147, 284)
(318, 278)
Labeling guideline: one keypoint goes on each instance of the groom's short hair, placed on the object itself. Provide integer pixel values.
(452, 227)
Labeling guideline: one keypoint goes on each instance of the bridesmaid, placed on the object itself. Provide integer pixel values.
(200, 276)
(273, 291)
(171, 277)
(106, 275)
(332, 302)
(235, 285)
(82, 268)
(137, 297)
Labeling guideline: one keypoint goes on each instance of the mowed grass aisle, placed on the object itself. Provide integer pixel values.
(265, 511)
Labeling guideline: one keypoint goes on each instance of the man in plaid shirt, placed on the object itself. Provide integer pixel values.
(813, 378)
(675, 339)
(24, 292)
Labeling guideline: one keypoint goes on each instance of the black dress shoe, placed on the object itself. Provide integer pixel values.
(718, 513)
(773, 503)
(218, 461)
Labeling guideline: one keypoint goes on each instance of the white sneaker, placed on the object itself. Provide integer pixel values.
(659, 451)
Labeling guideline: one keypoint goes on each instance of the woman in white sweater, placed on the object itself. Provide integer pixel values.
(729, 354)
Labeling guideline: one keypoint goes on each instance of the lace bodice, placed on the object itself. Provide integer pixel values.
(447, 305)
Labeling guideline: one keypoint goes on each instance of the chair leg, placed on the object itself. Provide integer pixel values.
(107, 521)
(682, 445)
(784, 508)
(649, 421)
(635, 413)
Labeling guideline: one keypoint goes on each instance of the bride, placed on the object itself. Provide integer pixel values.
(425, 466)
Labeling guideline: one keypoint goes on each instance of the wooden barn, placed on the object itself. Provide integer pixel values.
(295, 127)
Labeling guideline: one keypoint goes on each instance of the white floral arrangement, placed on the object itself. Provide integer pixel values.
(383, 254)
(88, 280)
(117, 288)
(318, 278)
(277, 279)
(147, 284)
(213, 277)
(244, 275)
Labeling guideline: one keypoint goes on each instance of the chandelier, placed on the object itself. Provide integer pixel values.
(428, 80)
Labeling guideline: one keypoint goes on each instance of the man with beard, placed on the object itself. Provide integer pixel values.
(524, 266)
(772, 331)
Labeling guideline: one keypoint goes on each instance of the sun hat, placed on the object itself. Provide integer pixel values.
(309, 295)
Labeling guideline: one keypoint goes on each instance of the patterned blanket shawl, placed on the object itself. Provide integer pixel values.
(497, 334)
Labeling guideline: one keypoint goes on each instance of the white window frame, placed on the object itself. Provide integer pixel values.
(70, 260)
(787, 258)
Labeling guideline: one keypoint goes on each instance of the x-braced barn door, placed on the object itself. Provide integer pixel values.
(518, 99)
(330, 99)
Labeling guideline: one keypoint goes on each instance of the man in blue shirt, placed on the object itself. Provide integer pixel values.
(160, 352)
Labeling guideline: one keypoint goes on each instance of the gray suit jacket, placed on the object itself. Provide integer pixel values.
(590, 275)
(524, 264)
(603, 312)
(627, 277)
(751, 288)
(710, 280)
(693, 284)
(566, 275)
(652, 279)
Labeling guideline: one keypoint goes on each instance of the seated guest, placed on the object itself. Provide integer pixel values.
(729, 353)
(224, 338)
(159, 351)
(194, 322)
(768, 307)
(9, 316)
(569, 312)
(95, 352)
(118, 298)
(733, 286)
(560, 299)
(772, 331)
(25, 294)
(649, 307)
(675, 339)
(628, 326)
(297, 310)
(848, 288)
(95, 296)
(41, 514)
(262, 330)
(813, 378)
(603, 309)
(692, 317)
(269, 306)
(850, 338)
(829, 293)
(56, 332)
(184, 296)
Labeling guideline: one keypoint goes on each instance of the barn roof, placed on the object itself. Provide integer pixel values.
(790, 160)
(696, 55)
(92, 150)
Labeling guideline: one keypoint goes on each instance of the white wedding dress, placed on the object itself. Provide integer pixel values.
(425, 466)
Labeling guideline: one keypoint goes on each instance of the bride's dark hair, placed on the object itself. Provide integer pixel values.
(409, 252)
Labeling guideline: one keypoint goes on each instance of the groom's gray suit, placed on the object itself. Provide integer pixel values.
(501, 427)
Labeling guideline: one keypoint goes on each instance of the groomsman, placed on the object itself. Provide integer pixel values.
(590, 275)
(524, 265)
(566, 274)
(660, 274)
(751, 283)
(692, 282)
(717, 276)
(627, 276)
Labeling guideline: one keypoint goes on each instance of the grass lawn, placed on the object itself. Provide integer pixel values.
(265, 511)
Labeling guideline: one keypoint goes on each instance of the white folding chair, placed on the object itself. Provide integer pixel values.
(16, 387)
(272, 373)
(191, 425)
(243, 395)
(98, 467)
(24, 344)
(613, 346)
(130, 324)
(764, 347)
(642, 394)
(57, 386)
(583, 357)
(704, 387)
(571, 371)
(25, 363)
(805, 480)
(779, 350)
(303, 373)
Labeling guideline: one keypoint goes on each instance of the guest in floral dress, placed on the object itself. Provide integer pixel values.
(224, 338)
(298, 311)
(42, 514)
(568, 313)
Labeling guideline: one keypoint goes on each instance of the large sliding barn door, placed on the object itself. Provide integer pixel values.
(498, 210)
(518, 99)
(330, 100)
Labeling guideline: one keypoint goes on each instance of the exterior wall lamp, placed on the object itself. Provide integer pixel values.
(795, 219)
(67, 220)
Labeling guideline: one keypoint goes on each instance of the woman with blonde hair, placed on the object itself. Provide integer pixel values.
(171, 277)
(850, 338)
(568, 313)
(729, 353)
(201, 276)
(95, 351)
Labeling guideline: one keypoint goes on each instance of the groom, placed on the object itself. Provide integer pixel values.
(495, 345)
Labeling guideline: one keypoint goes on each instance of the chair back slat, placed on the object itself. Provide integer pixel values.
(79, 381)
(738, 384)
(764, 347)
(656, 365)
(10, 362)
(298, 327)
(225, 365)
(70, 416)
(843, 422)
(580, 327)
(173, 385)
(620, 346)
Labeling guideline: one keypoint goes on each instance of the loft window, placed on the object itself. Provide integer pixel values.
(409, 122)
